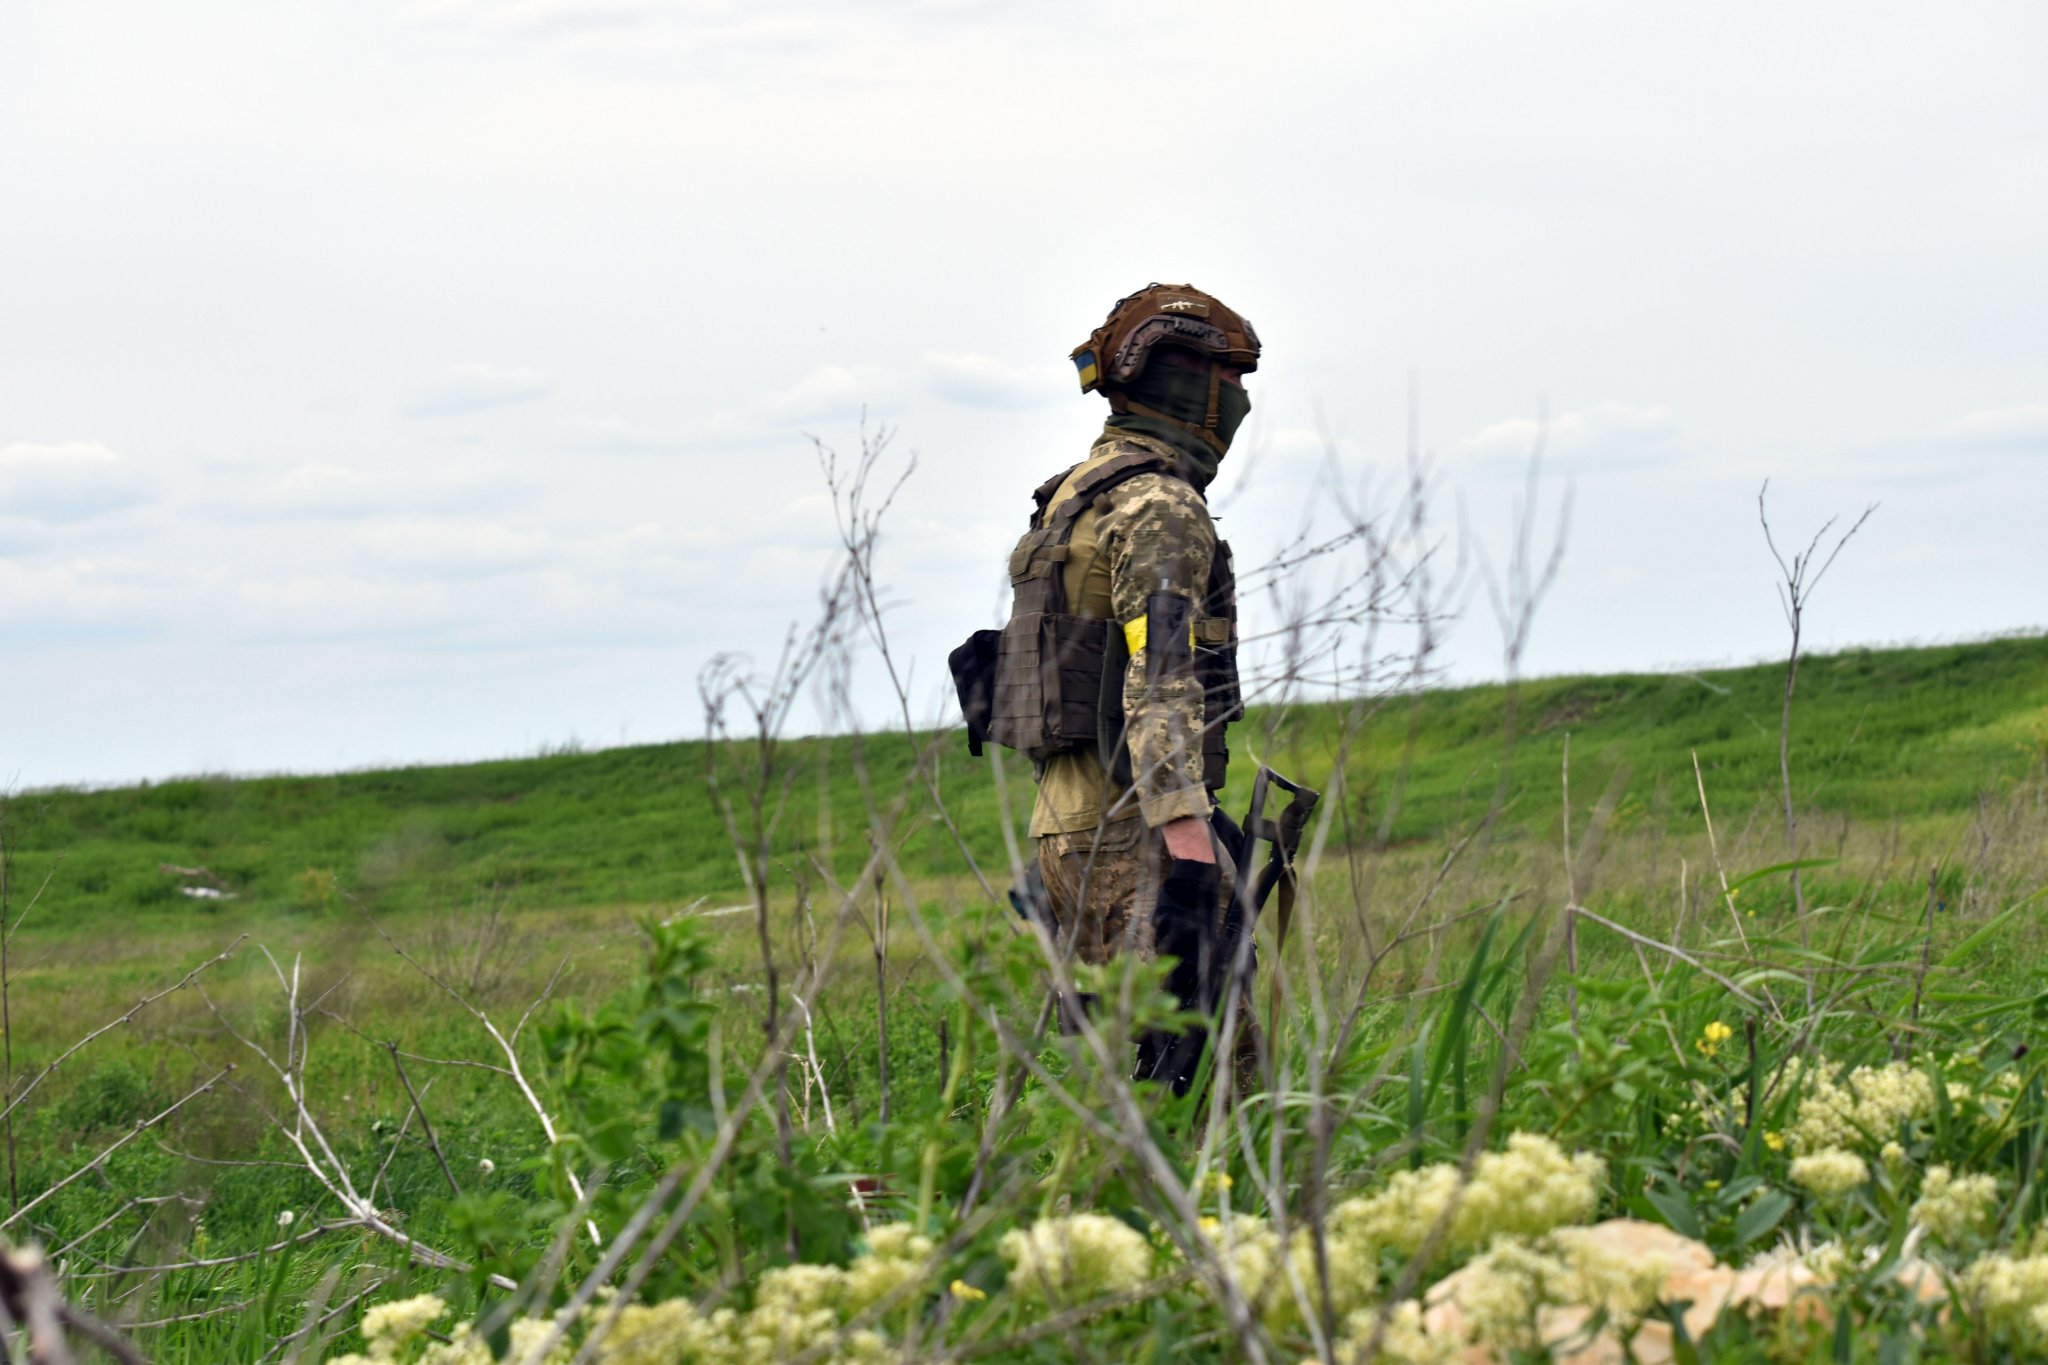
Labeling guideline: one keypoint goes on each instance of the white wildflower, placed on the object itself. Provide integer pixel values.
(1951, 1207)
(485, 1166)
(1831, 1262)
(1525, 1191)
(2009, 1291)
(1402, 1214)
(662, 1333)
(1404, 1342)
(896, 1257)
(776, 1330)
(1529, 1189)
(1502, 1290)
(390, 1325)
(899, 1242)
(865, 1347)
(1354, 1265)
(285, 1217)
(1081, 1256)
(528, 1334)
(1249, 1249)
(1266, 1275)
(801, 1288)
(464, 1347)
(1607, 1277)
(1862, 1111)
(1830, 1173)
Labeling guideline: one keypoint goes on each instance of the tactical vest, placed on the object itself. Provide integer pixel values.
(1051, 682)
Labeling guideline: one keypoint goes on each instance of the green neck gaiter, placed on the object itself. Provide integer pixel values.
(1183, 396)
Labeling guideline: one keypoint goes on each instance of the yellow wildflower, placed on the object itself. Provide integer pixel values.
(960, 1289)
(1711, 1038)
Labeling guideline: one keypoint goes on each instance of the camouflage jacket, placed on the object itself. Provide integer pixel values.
(1150, 533)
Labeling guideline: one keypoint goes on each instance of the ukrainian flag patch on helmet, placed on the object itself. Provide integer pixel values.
(1084, 362)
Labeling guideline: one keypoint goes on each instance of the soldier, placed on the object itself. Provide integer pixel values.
(1117, 671)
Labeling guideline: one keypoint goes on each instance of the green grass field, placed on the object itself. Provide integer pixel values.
(1921, 786)
(1881, 736)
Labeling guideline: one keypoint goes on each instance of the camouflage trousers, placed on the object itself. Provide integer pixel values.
(1102, 886)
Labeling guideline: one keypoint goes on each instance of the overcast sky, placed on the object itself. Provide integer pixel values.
(391, 383)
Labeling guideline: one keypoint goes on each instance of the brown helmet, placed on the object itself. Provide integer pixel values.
(1163, 314)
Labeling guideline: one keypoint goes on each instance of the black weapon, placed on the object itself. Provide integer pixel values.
(1215, 958)
(1284, 834)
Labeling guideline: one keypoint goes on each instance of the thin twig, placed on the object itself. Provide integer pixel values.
(141, 1126)
(113, 1024)
(426, 1127)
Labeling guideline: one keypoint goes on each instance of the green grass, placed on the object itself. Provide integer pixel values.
(1905, 762)
(1879, 735)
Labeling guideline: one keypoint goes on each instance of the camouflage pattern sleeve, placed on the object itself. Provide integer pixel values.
(1159, 539)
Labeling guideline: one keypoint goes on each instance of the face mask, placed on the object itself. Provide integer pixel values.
(1181, 397)
(1233, 405)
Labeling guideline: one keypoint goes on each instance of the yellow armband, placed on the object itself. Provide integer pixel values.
(1134, 634)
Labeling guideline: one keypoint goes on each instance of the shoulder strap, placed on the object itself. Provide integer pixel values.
(1042, 495)
(1044, 547)
(1102, 478)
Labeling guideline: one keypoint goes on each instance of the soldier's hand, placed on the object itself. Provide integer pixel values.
(1187, 839)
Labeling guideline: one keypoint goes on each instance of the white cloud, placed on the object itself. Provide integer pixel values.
(67, 481)
(2027, 424)
(1602, 432)
(695, 202)
(1992, 446)
(322, 490)
(86, 594)
(473, 386)
(727, 429)
(618, 436)
(325, 605)
(532, 18)
(980, 381)
(830, 393)
(827, 394)
(698, 38)
(453, 547)
(835, 393)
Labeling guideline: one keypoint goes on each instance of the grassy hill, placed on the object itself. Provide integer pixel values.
(1926, 765)
(1898, 735)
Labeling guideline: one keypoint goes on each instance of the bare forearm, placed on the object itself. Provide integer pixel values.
(1187, 839)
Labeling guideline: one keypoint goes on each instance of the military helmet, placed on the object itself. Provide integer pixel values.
(1163, 315)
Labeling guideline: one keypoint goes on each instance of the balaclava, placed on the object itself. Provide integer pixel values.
(1170, 404)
